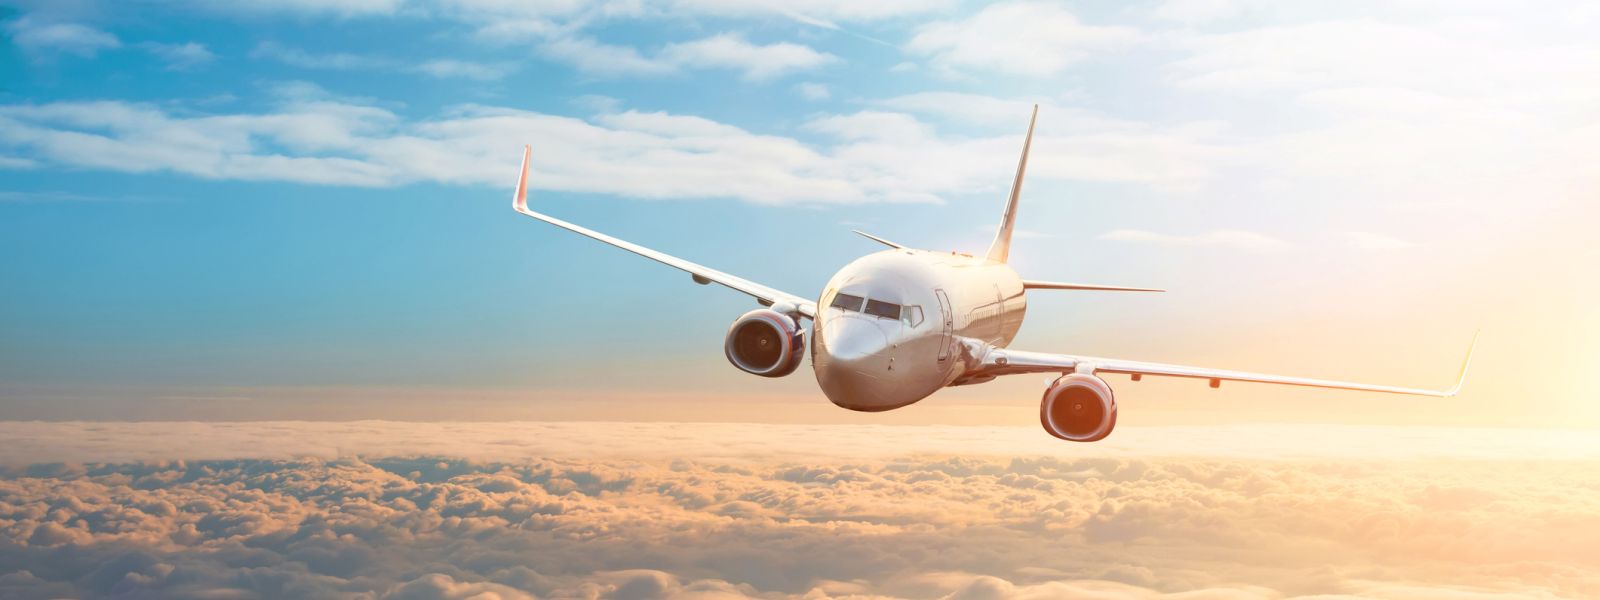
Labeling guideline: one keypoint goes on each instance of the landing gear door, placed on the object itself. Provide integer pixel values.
(949, 324)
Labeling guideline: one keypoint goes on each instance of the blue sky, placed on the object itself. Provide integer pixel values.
(252, 195)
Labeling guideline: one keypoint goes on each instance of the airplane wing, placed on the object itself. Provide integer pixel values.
(701, 273)
(999, 361)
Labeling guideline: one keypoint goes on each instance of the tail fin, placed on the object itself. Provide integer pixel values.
(1001, 248)
(519, 200)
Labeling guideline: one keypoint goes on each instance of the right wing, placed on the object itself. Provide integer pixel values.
(702, 274)
(998, 361)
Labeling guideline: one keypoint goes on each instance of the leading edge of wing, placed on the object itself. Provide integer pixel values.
(1010, 362)
(519, 202)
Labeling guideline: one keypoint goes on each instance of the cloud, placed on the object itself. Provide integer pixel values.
(43, 37)
(181, 57)
(458, 69)
(754, 62)
(338, 61)
(336, 8)
(1034, 39)
(871, 156)
(1225, 238)
(678, 518)
(814, 92)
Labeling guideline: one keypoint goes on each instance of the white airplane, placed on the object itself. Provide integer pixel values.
(893, 327)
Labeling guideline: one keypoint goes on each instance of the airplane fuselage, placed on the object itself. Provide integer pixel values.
(894, 326)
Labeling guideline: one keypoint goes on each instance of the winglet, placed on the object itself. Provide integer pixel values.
(1466, 364)
(1000, 250)
(519, 201)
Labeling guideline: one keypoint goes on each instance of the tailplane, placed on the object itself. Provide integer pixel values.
(1001, 248)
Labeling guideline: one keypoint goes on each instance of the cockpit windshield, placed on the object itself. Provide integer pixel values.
(911, 315)
(879, 308)
(847, 302)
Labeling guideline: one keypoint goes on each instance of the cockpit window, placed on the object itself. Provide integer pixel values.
(879, 308)
(847, 302)
(912, 315)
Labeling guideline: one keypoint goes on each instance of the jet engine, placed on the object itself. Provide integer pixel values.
(765, 342)
(1079, 408)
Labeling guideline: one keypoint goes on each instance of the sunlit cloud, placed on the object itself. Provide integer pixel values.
(678, 516)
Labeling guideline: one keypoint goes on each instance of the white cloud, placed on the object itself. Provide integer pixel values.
(313, 138)
(336, 8)
(299, 57)
(41, 37)
(1196, 11)
(452, 69)
(753, 61)
(814, 92)
(1034, 39)
(180, 57)
(722, 51)
(1225, 238)
(552, 510)
(590, 56)
(12, 162)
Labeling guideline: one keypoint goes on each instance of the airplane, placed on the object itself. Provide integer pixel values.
(895, 326)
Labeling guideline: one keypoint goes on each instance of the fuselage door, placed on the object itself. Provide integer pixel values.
(949, 324)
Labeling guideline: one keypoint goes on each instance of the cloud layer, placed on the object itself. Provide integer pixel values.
(679, 516)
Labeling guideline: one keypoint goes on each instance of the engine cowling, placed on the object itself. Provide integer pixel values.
(765, 342)
(1079, 408)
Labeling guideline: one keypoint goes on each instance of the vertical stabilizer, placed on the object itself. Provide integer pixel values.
(1001, 248)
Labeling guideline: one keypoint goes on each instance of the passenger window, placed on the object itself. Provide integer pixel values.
(879, 308)
(912, 315)
(847, 302)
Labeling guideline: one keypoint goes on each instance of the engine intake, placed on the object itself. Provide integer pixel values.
(1079, 408)
(765, 342)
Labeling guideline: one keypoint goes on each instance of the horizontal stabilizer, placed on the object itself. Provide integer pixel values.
(1052, 285)
(878, 239)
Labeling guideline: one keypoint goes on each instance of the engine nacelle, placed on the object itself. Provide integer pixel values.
(1079, 408)
(765, 342)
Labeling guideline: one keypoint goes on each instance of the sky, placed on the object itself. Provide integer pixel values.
(270, 210)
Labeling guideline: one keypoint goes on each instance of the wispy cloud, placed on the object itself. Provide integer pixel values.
(181, 57)
(813, 91)
(299, 57)
(314, 138)
(1224, 238)
(722, 51)
(41, 37)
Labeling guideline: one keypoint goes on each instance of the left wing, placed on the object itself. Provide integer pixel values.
(999, 361)
(701, 273)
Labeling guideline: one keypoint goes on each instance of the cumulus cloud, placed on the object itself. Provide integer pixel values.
(672, 519)
(1024, 38)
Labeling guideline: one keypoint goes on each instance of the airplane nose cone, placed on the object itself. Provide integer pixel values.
(854, 367)
(853, 338)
